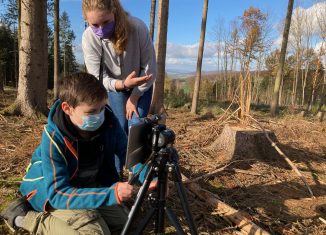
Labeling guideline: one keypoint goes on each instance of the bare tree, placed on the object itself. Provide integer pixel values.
(200, 59)
(233, 44)
(33, 65)
(275, 99)
(161, 38)
(56, 47)
(219, 31)
(321, 18)
(296, 41)
(152, 21)
(253, 29)
(316, 78)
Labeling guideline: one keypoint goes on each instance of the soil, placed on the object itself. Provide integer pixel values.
(267, 189)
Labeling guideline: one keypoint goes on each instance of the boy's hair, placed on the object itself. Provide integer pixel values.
(81, 88)
(122, 24)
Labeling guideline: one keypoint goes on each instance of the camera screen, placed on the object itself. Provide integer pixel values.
(139, 143)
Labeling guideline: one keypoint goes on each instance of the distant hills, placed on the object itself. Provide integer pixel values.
(173, 74)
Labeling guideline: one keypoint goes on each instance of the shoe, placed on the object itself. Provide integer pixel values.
(18, 207)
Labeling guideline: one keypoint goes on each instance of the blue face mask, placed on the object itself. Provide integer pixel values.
(92, 122)
(106, 31)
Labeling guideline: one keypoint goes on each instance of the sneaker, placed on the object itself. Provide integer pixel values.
(18, 207)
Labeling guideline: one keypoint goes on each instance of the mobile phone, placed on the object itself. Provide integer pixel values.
(146, 69)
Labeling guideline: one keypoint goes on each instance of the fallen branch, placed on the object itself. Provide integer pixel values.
(214, 172)
(284, 156)
(247, 172)
(322, 220)
(3, 118)
(224, 210)
(10, 181)
(232, 115)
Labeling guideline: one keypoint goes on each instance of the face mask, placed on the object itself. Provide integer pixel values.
(106, 31)
(92, 122)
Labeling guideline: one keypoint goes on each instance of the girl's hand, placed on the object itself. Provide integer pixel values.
(131, 106)
(133, 81)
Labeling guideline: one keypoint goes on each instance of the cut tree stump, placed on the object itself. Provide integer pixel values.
(245, 143)
(320, 115)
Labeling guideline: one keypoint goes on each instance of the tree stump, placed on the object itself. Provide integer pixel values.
(320, 115)
(245, 143)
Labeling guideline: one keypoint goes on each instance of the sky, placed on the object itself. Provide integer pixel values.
(184, 25)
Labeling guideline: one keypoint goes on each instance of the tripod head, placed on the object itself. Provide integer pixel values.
(147, 138)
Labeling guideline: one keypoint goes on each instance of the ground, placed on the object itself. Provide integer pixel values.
(267, 190)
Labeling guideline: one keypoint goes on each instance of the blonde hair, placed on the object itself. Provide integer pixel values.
(122, 24)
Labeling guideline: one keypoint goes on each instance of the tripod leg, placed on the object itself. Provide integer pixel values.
(144, 222)
(174, 221)
(139, 200)
(183, 198)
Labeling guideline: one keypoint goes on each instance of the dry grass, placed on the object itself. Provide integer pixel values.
(266, 189)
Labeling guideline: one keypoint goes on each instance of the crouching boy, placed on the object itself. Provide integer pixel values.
(72, 180)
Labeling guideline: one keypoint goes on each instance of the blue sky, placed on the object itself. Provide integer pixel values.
(184, 25)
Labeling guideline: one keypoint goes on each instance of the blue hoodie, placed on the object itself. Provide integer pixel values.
(54, 165)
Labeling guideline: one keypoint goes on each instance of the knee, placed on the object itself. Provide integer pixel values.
(88, 222)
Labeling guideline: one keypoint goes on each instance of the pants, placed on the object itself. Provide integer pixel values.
(102, 221)
(118, 101)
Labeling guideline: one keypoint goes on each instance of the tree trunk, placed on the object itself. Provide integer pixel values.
(161, 35)
(15, 80)
(2, 75)
(304, 83)
(33, 66)
(19, 6)
(323, 94)
(295, 80)
(200, 59)
(315, 79)
(56, 50)
(275, 99)
(152, 21)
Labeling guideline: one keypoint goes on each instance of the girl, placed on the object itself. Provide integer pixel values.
(119, 51)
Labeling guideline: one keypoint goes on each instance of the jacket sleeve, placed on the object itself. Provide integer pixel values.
(60, 193)
(92, 49)
(147, 57)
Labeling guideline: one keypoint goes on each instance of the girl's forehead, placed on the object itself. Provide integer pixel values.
(99, 15)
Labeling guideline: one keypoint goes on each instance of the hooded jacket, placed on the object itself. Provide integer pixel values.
(54, 168)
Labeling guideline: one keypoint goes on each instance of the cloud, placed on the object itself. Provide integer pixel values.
(189, 50)
(307, 21)
(184, 56)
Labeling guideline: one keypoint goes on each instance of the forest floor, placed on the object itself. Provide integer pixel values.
(267, 190)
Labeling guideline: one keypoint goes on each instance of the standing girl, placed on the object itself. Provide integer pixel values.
(119, 51)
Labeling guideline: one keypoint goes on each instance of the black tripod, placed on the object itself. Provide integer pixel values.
(164, 161)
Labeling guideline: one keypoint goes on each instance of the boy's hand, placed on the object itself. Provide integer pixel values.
(131, 106)
(125, 191)
(133, 81)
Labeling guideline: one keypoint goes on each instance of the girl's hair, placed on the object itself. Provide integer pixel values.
(122, 24)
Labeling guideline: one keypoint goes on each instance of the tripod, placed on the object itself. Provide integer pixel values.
(164, 161)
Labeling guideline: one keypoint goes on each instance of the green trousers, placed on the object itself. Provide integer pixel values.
(102, 221)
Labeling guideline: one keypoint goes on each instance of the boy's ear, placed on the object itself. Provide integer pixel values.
(66, 108)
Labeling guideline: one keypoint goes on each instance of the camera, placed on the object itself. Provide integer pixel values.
(146, 137)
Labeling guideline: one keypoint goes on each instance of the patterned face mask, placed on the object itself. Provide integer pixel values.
(92, 122)
(105, 31)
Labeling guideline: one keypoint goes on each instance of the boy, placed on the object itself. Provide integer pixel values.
(72, 181)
